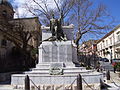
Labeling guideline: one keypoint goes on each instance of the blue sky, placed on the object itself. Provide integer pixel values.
(113, 7)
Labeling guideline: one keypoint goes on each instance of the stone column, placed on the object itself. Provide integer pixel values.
(40, 54)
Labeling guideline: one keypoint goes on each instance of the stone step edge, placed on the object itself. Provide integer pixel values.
(65, 71)
(64, 68)
(65, 75)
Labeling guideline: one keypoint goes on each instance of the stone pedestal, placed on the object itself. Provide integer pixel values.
(56, 51)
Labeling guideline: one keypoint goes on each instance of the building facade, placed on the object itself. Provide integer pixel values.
(109, 45)
(31, 26)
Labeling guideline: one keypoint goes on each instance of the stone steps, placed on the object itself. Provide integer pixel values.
(39, 79)
(46, 65)
(66, 68)
(65, 72)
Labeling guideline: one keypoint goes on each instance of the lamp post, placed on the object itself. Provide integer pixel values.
(104, 57)
(111, 54)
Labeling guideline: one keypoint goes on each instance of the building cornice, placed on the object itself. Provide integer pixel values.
(108, 34)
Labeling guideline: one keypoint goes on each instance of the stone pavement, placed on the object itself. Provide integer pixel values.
(114, 81)
(7, 87)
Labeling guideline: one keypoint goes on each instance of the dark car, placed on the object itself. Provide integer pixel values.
(100, 58)
(104, 60)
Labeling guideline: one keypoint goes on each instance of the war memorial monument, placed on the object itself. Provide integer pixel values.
(57, 57)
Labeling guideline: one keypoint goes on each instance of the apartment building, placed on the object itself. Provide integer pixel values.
(109, 45)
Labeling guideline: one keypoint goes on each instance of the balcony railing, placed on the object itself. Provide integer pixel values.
(117, 42)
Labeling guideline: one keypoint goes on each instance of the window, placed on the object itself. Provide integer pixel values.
(4, 13)
(3, 42)
(101, 46)
(111, 40)
(106, 42)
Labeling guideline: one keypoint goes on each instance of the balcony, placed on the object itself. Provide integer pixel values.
(117, 43)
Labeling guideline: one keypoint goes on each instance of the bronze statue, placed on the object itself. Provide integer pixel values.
(59, 32)
(56, 29)
(52, 25)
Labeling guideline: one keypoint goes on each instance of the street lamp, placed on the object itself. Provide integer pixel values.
(111, 54)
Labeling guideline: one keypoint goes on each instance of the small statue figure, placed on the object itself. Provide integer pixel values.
(52, 25)
(59, 33)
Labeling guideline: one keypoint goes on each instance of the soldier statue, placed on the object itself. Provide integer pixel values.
(56, 29)
(52, 25)
(59, 32)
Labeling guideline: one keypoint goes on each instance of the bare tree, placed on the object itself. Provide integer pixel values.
(89, 19)
(85, 17)
(44, 9)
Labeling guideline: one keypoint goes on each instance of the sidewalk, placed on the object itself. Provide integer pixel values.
(114, 81)
(7, 87)
(115, 77)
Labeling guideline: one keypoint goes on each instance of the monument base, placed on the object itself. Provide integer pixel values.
(92, 79)
(58, 57)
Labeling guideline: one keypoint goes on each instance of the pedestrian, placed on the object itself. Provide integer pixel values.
(114, 69)
(114, 66)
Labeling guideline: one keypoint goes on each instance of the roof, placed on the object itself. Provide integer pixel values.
(28, 18)
(108, 34)
(90, 42)
(30, 24)
(6, 3)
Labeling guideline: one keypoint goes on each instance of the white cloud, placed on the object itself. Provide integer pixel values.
(19, 1)
(23, 12)
(20, 11)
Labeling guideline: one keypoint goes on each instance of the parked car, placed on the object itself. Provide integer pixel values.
(104, 60)
(115, 60)
(100, 58)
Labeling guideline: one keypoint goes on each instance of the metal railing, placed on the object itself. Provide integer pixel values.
(87, 84)
(70, 87)
(35, 85)
(27, 83)
(79, 80)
